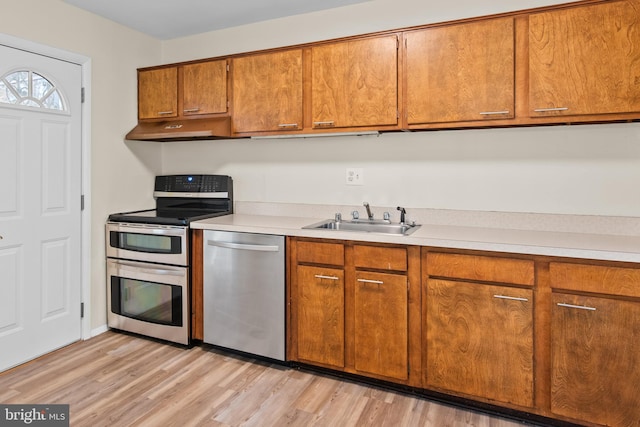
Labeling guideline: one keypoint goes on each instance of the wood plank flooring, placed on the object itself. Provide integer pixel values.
(117, 379)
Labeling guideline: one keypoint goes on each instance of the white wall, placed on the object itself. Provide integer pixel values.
(591, 169)
(121, 173)
(361, 18)
(586, 169)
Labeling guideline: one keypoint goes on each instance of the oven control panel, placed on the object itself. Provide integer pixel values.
(193, 183)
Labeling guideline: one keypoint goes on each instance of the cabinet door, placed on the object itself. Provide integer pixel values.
(205, 88)
(381, 324)
(480, 340)
(585, 60)
(595, 347)
(461, 72)
(321, 315)
(355, 83)
(158, 93)
(267, 92)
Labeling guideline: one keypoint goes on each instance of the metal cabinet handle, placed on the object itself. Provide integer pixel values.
(288, 125)
(546, 110)
(377, 282)
(579, 307)
(320, 276)
(164, 113)
(191, 110)
(325, 124)
(493, 113)
(511, 298)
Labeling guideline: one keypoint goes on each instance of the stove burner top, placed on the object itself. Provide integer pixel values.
(163, 217)
(184, 198)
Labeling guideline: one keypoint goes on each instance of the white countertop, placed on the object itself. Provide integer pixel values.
(550, 243)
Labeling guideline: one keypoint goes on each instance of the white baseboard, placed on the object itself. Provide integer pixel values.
(99, 330)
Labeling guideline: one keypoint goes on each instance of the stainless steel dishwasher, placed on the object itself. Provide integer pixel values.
(244, 292)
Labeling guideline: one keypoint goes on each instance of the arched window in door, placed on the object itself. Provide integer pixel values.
(30, 89)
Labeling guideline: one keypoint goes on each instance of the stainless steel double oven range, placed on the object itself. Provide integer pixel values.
(148, 256)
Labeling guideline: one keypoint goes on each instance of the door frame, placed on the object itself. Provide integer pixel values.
(85, 239)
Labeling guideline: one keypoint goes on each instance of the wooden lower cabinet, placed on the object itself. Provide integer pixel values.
(381, 324)
(536, 334)
(356, 312)
(595, 325)
(595, 348)
(479, 340)
(320, 297)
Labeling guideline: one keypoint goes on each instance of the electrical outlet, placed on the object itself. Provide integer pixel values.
(355, 176)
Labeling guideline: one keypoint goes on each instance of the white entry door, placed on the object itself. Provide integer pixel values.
(40, 190)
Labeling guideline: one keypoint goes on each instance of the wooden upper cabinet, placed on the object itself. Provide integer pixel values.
(585, 60)
(355, 83)
(267, 92)
(158, 93)
(205, 88)
(184, 90)
(461, 72)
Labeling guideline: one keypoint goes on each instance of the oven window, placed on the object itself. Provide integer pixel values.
(148, 301)
(149, 243)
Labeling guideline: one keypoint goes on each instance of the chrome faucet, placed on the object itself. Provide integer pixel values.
(369, 213)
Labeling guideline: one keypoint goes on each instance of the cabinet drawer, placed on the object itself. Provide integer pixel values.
(483, 268)
(380, 258)
(594, 278)
(320, 253)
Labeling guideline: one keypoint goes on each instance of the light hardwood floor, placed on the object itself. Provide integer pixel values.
(116, 379)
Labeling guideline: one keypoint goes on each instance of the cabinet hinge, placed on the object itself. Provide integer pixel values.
(82, 95)
(81, 310)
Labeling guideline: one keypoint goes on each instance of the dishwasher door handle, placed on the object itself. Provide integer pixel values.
(244, 246)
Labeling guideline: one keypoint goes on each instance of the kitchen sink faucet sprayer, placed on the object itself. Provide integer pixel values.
(403, 212)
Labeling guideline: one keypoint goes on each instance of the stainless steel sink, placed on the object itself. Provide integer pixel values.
(364, 226)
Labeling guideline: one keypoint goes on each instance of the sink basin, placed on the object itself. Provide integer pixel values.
(364, 226)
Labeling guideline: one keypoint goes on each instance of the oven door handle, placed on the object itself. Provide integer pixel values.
(244, 246)
(147, 229)
(132, 266)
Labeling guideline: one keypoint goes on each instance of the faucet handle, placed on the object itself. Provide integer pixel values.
(355, 214)
(338, 217)
(386, 216)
